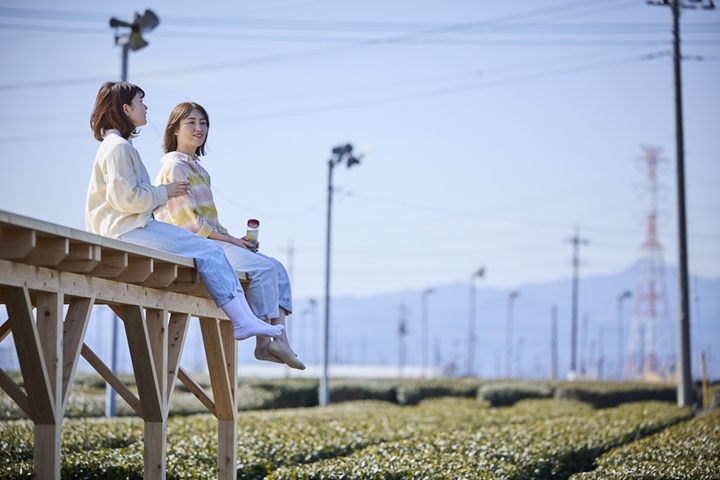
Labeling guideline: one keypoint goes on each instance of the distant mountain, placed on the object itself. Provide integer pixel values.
(364, 331)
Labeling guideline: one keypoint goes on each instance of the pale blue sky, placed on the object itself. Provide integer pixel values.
(494, 127)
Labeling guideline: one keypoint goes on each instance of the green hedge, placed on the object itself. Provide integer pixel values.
(690, 450)
(611, 394)
(438, 438)
(502, 394)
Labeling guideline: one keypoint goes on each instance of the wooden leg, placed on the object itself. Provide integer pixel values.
(227, 429)
(155, 450)
(47, 451)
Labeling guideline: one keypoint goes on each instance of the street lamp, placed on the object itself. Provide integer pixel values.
(480, 273)
(133, 40)
(339, 154)
(423, 305)
(508, 333)
(129, 41)
(621, 297)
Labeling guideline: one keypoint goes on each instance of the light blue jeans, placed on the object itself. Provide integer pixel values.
(218, 275)
(269, 282)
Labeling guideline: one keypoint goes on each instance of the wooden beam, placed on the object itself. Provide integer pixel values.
(49, 308)
(16, 393)
(16, 244)
(196, 390)
(227, 429)
(219, 381)
(104, 291)
(74, 328)
(107, 374)
(30, 354)
(177, 333)
(49, 251)
(82, 258)
(112, 263)
(163, 275)
(157, 328)
(46, 451)
(143, 364)
(5, 330)
(187, 279)
(155, 457)
(138, 269)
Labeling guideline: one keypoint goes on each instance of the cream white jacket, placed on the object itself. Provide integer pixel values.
(120, 196)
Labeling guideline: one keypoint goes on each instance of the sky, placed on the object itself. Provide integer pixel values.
(492, 129)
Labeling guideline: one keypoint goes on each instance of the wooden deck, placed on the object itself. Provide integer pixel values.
(43, 267)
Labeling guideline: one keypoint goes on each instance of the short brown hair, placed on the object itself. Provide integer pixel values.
(108, 112)
(180, 113)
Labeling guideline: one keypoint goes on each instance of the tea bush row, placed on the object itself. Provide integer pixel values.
(437, 436)
(543, 448)
(690, 450)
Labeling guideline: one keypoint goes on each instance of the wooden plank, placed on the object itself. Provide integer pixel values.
(49, 251)
(49, 308)
(74, 328)
(5, 330)
(155, 461)
(30, 354)
(12, 221)
(143, 364)
(138, 269)
(227, 429)
(107, 374)
(177, 333)
(163, 275)
(104, 291)
(46, 464)
(156, 321)
(219, 381)
(16, 393)
(112, 263)
(196, 390)
(82, 258)
(16, 244)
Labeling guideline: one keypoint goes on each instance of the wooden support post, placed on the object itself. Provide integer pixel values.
(177, 332)
(142, 355)
(227, 429)
(47, 435)
(74, 328)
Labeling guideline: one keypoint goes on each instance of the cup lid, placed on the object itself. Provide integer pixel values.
(253, 223)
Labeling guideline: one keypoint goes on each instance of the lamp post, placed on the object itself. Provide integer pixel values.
(684, 386)
(480, 273)
(128, 41)
(339, 154)
(624, 295)
(423, 304)
(508, 333)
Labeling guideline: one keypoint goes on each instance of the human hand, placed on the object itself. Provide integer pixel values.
(249, 245)
(178, 189)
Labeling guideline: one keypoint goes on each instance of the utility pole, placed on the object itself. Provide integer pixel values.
(508, 333)
(553, 344)
(480, 273)
(576, 242)
(402, 331)
(619, 366)
(684, 387)
(424, 321)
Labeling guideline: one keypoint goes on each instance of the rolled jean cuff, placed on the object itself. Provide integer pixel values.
(220, 302)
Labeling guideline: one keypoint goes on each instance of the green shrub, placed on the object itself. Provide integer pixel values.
(612, 394)
(714, 396)
(502, 394)
(412, 392)
(344, 390)
(690, 450)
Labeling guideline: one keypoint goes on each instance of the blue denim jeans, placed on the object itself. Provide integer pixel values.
(218, 275)
(269, 282)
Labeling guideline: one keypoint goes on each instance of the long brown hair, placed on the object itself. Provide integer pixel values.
(108, 112)
(180, 113)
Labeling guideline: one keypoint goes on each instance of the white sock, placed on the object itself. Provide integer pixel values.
(248, 325)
